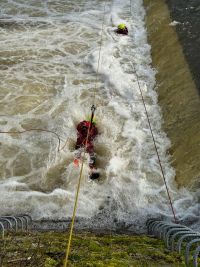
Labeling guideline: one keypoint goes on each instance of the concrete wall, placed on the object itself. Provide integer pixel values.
(178, 95)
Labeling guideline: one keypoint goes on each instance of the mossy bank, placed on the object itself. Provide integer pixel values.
(88, 250)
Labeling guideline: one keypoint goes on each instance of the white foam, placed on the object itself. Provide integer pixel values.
(51, 82)
(174, 23)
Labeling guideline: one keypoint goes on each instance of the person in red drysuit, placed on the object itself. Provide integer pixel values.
(82, 131)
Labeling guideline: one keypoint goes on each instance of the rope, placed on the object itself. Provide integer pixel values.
(76, 198)
(35, 129)
(85, 148)
(156, 149)
(73, 216)
(99, 56)
(62, 148)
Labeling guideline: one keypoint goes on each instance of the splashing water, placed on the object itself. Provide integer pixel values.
(49, 53)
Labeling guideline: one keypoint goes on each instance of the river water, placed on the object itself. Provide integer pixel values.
(49, 54)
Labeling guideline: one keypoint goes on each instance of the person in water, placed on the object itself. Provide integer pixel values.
(82, 132)
(122, 29)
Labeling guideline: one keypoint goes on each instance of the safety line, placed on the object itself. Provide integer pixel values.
(74, 213)
(35, 129)
(159, 160)
(85, 148)
(62, 148)
(156, 149)
(100, 48)
(77, 194)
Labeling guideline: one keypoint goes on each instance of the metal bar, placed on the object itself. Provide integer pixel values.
(26, 221)
(195, 256)
(149, 221)
(165, 230)
(3, 230)
(8, 222)
(21, 220)
(151, 227)
(28, 216)
(30, 219)
(174, 236)
(169, 233)
(172, 233)
(148, 224)
(181, 239)
(13, 218)
(157, 227)
(160, 229)
(187, 250)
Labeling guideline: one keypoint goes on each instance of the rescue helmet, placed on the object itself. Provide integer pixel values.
(121, 26)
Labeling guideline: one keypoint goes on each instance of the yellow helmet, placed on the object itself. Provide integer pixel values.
(121, 26)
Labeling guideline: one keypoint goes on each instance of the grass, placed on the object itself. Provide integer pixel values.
(47, 249)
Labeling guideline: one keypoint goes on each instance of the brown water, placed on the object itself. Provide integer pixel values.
(178, 95)
(49, 53)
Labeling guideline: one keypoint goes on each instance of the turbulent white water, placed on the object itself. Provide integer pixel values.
(48, 54)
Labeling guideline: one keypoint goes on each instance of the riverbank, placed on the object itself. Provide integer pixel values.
(47, 249)
(177, 91)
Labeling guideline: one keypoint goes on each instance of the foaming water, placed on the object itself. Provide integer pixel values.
(49, 54)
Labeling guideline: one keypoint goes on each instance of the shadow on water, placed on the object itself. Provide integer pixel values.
(186, 13)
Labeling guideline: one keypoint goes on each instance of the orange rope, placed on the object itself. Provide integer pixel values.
(156, 149)
(154, 141)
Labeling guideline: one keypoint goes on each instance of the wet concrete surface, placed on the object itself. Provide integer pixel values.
(174, 59)
(187, 13)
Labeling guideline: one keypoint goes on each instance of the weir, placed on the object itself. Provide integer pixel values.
(178, 95)
(59, 80)
(131, 189)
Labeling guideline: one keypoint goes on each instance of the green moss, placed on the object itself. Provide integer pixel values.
(87, 250)
(49, 262)
(94, 246)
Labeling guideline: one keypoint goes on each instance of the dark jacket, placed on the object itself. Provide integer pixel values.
(82, 129)
(124, 31)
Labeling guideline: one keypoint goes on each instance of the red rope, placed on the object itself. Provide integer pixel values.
(163, 175)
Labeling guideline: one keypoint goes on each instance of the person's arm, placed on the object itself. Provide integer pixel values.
(79, 126)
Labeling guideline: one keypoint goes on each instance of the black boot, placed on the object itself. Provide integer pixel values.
(94, 175)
